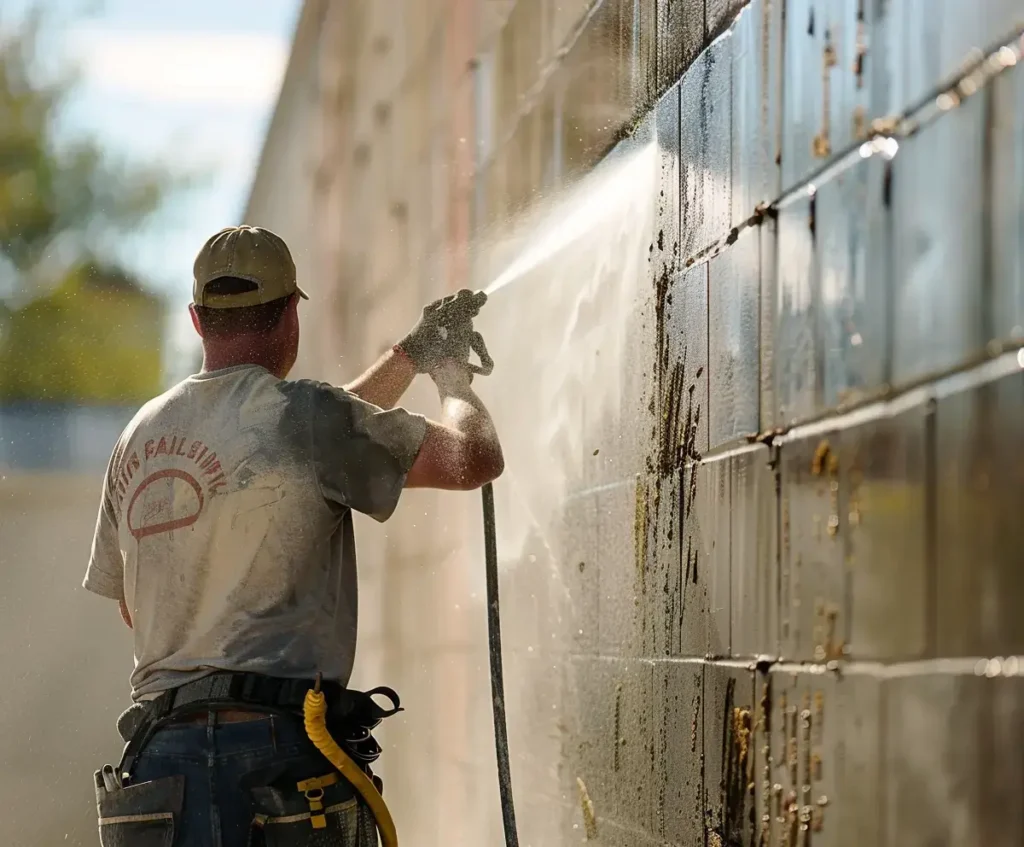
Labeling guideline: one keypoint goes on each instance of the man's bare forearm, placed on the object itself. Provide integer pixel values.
(463, 411)
(385, 381)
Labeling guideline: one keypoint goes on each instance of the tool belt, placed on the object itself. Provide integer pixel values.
(351, 715)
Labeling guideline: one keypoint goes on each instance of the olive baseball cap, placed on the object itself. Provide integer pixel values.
(251, 253)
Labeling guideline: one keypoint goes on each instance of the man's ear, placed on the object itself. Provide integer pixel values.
(195, 319)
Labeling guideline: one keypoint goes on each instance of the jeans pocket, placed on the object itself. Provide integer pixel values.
(143, 815)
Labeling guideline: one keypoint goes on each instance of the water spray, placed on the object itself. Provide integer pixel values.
(574, 216)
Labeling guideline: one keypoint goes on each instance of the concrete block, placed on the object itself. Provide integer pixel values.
(805, 727)
(827, 69)
(729, 718)
(681, 376)
(719, 15)
(713, 504)
(680, 37)
(620, 569)
(679, 755)
(536, 704)
(754, 547)
(662, 587)
(795, 349)
(803, 84)
(705, 133)
(634, 748)
(782, 759)
(589, 743)
(812, 599)
(665, 248)
(646, 87)
(756, 105)
(614, 753)
(762, 759)
(577, 574)
(734, 288)
(851, 234)
(848, 34)
(885, 474)
(938, 198)
(694, 628)
(979, 534)
(953, 756)
(768, 236)
(623, 435)
(851, 817)
(598, 79)
(1006, 314)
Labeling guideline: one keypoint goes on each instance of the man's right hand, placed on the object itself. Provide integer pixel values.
(444, 332)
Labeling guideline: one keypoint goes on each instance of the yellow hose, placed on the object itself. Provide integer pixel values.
(314, 714)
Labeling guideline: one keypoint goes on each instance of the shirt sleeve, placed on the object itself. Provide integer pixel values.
(362, 453)
(105, 573)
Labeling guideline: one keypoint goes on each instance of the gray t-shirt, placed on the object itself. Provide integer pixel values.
(226, 524)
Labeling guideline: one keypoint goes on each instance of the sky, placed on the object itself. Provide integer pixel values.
(190, 84)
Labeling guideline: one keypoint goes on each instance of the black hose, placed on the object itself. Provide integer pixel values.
(508, 812)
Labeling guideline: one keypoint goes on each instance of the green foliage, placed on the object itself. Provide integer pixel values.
(78, 327)
(96, 339)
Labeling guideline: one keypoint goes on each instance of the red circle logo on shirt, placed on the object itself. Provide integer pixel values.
(169, 506)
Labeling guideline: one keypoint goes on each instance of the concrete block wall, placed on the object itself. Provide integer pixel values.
(759, 529)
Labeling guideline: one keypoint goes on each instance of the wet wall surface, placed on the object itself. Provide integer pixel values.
(759, 528)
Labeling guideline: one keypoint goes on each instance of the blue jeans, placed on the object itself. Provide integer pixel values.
(240, 790)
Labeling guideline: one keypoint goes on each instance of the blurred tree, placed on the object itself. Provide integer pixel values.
(95, 339)
(60, 200)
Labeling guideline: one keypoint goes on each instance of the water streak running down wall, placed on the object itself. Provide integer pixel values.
(760, 385)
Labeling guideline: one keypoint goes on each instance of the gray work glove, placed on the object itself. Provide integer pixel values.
(445, 332)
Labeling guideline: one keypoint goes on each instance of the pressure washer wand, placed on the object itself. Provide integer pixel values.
(508, 813)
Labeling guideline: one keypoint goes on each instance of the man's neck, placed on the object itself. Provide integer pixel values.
(218, 357)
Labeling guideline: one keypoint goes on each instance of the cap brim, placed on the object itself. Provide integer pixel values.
(301, 293)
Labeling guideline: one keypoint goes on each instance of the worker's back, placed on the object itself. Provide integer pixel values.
(225, 534)
(237, 548)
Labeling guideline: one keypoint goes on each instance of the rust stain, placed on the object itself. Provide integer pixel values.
(641, 520)
(822, 145)
(861, 49)
(822, 456)
(860, 126)
(587, 809)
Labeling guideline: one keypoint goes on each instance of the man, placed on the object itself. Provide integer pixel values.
(225, 533)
